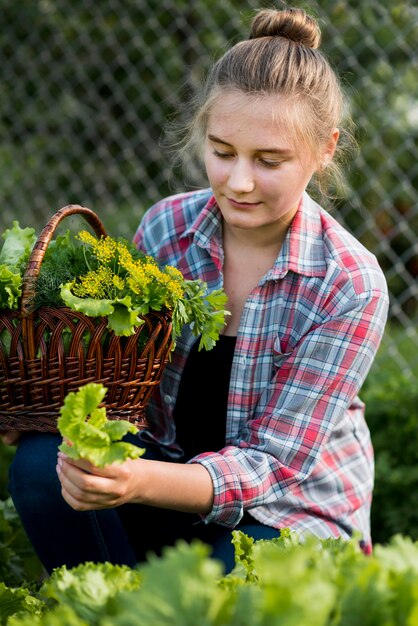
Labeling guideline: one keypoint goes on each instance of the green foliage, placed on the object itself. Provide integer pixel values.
(87, 432)
(18, 243)
(17, 559)
(391, 400)
(17, 601)
(205, 311)
(14, 253)
(281, 582)
(64, 258)
(58, 616)
(392, 412)
(123, 287)
(6, 456)
(182, 587)
(88, 587)
(109, 278)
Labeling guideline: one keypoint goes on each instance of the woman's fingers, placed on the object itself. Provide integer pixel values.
(10, 437)
(86, 489)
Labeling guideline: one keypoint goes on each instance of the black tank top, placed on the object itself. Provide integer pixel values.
(200, 411)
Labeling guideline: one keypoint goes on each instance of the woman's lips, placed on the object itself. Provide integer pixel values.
(242, 205)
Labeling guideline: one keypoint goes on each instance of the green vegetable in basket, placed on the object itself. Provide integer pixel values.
(87, 432)
(123, 287)
(17, 246)
(105, 277)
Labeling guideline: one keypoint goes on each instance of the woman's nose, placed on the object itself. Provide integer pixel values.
(241, 178)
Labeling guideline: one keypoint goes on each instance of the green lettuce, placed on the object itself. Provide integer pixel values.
(122, 316)
(10, 287)
(17, 601)
(18, 243)
(87, 432)
(59, 616)
(87, 587)
(17, 246)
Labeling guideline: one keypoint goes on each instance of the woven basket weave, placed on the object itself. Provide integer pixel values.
(57, 350)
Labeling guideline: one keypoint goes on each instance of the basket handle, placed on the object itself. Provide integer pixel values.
(34, 265)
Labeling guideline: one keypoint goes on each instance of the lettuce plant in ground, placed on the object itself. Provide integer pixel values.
(283, 582)
(87, 432)
(88, 587)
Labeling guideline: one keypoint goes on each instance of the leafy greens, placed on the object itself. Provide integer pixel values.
(87, 432)
(17, 246)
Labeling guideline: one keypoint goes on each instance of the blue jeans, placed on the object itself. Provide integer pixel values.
(123, 535)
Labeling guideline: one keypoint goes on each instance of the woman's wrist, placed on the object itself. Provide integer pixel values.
(177, 486)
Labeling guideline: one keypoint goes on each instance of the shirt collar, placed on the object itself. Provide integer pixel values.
(207, 230)
(303, 248)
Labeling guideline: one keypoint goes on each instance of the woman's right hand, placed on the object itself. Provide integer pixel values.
(10, 437)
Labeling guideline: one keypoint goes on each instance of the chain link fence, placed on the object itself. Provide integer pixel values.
(87, 88)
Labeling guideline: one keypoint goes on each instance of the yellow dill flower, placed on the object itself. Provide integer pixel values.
(176, 281)
(118, 282)
(138, 277)
(95, 284)
(174, 272)
(86, 237)
(105, 250)
(124, 256)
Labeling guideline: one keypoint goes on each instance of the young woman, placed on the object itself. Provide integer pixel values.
(266, 431)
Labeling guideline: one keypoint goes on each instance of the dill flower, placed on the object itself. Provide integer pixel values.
(95, 284)
(85, 237)
(124, 288)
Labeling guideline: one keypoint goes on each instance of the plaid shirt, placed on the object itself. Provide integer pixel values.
(297, 452)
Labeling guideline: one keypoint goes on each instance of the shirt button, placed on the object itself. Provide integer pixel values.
(168, 399)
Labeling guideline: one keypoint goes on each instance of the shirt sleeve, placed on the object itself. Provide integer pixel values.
(299, 409)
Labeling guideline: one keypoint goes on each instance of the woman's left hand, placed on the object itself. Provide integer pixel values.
(86, 487)
(177, 486)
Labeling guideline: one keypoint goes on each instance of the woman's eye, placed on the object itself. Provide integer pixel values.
(267, 163)
(222, 155)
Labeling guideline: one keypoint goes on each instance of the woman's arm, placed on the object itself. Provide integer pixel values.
(162, 484)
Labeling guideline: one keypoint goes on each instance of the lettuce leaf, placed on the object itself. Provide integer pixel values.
(122, 316)
(87, 432)
(18, 243)
(87, 587)
(10, 287)
(17, 600)
(17, 246)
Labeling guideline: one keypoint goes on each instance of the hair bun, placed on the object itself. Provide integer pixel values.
(293, 24)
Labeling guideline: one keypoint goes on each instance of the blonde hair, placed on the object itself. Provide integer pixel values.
(281, 57)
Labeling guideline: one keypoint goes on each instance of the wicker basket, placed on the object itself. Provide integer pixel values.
(56, 350)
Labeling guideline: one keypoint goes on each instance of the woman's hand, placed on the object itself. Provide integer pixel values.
(86, 487)
(10, 437)
(177, 486)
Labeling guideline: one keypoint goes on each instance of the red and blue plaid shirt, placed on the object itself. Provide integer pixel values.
(297, 452)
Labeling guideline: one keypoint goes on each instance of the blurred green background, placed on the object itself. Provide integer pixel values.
(87, 88)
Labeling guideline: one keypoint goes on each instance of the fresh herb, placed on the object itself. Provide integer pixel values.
(64, 258)
(123, 287)
(109, 278)
(87, 432)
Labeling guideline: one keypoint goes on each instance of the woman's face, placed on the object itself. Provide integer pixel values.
(256, 172)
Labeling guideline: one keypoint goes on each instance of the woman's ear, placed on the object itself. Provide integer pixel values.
(330, 148)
